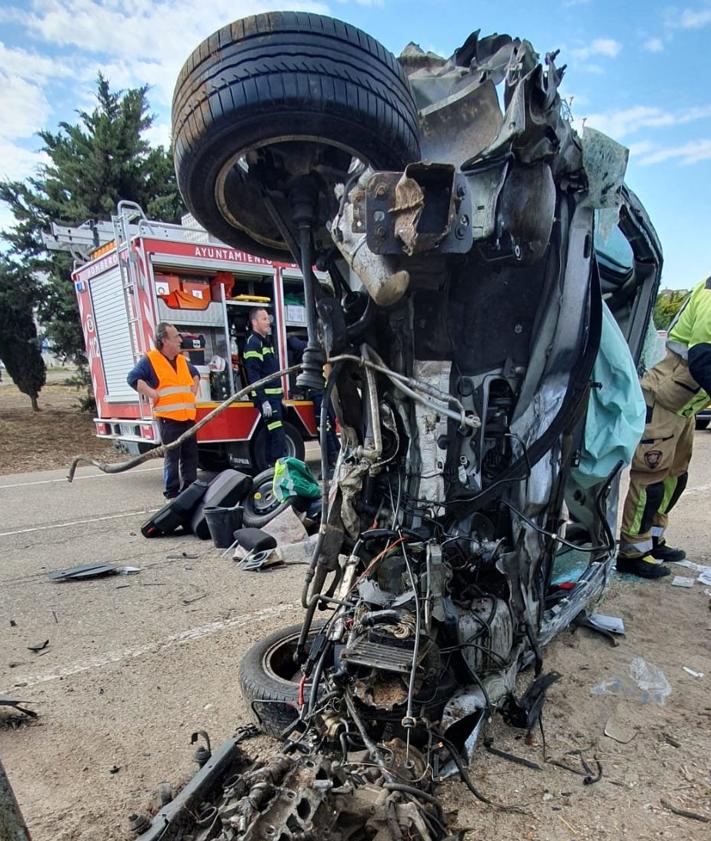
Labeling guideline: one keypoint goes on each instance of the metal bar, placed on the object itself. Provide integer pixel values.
(12, 824)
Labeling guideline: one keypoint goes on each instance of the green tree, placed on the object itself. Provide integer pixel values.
(19, 344)
(92, 165)
(667, 305)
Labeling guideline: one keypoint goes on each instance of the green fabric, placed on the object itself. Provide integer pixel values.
(692, 325)
(294, 478)
(639, 512)
(669, 488)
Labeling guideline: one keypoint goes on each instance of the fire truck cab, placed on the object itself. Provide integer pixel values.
(133, 273)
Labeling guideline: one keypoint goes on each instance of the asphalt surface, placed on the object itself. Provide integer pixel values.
(134, 664)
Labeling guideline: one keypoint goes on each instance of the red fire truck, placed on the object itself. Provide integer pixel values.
(132, 273)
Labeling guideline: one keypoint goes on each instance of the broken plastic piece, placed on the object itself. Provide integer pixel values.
(692, 672)
(646, 682)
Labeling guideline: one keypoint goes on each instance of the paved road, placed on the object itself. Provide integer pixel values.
(135, 664)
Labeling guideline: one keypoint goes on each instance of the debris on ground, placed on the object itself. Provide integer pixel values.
(15, 704)
(38, 646)
(86, 571)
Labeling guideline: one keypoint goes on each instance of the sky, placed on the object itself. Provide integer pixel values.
(638, 70)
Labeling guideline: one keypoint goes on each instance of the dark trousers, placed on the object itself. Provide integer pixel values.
(276, 439)
(180, 465)
(332, 444)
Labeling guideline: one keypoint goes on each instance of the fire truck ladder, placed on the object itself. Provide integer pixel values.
(128, 215)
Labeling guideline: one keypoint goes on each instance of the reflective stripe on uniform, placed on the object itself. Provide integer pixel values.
(669, 488)
(173, 407)
(279, 390)
(173, 389)
(678, 348)
(636, 549)
(252, 354)
(267, 349)
(277, 424)
(636, 526)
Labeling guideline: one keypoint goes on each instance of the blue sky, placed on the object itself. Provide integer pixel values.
(638, 70)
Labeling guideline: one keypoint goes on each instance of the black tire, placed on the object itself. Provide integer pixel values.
(702, 423)
(260, 505)
(295, 446)
(268, 80)
(268, 678)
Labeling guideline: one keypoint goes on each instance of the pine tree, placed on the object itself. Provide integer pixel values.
(93, 164)
(19, 343)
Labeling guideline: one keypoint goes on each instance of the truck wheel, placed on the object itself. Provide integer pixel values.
(269, 679)
(260, 505)
(294, 446)
(702, 423)
(275, 95)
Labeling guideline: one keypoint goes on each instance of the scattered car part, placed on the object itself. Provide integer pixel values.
(10, 702)
(261, 504)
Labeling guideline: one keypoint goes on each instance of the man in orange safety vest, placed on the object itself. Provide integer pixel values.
(166, 378)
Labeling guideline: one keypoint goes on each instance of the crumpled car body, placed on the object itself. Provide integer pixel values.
(461, 325)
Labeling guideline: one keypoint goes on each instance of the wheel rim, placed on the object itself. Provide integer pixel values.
(278, 661)
(263, 498)
(239, 161)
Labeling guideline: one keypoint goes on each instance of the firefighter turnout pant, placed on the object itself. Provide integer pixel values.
(276, 439)
(180, 465)
(657, 477)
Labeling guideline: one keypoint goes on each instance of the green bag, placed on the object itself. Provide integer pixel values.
(294, 478)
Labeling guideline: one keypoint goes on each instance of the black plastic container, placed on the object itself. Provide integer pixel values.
(223, 522)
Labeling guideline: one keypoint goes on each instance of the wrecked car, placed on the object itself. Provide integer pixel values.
(483, 259)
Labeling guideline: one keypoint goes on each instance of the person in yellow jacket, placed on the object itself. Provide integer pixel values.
(675, 389)
(166, 378)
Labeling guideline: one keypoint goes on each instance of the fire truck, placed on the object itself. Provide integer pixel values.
(132, 273)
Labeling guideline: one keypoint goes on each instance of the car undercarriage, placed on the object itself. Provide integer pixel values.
(478, 252)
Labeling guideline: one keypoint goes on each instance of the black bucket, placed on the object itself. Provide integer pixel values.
(223, 522)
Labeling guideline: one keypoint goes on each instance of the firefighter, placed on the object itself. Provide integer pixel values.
(675, 389)
(260, 361)
(296, 348)
(171, 383)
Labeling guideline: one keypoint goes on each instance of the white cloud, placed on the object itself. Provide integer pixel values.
(158, 134)
(653, 45)
(598, 47)
(17, 162)
(629, 120)
(143, 29)
(688, 153)
(23, 106)
(31, 65)
(695, 18)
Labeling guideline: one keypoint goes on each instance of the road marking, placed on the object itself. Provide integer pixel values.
(180, 638)
(76, 478)
(78, 522)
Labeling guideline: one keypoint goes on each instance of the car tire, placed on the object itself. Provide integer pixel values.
(702, 423)
(267, 678)
(260, 506)
(295, 447)
(273, 78)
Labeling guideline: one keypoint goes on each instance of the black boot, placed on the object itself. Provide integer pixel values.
(665, 553)
(644, 567)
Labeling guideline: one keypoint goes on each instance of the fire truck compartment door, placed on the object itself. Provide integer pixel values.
(114, 339)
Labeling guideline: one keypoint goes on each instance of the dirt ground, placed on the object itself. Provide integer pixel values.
(136, 665)
(51, 437)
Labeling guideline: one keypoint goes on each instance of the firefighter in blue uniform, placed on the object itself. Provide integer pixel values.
(260, 361)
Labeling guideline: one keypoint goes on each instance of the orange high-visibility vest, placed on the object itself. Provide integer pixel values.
(175, 397)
